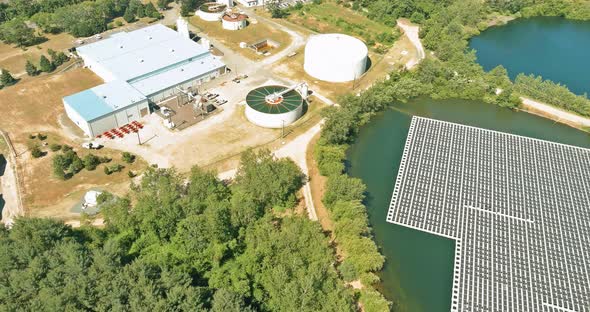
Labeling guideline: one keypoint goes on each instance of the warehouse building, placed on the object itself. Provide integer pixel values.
(140, 68)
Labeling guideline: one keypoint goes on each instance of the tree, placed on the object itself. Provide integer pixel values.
(45, 65)
(16, 31)
(272, 182)
(163, 4)
(31, 69)
(129, 16)
(228, 301)
(84, 19)
(343, 188)
(6, 78)
(150, 10)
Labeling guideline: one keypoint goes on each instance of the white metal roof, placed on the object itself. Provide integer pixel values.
(132, 54)
(152, 84)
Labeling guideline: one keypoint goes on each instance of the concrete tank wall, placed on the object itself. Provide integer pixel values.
(233, 25)
(273, 120)
(335, 57)
(210, 16)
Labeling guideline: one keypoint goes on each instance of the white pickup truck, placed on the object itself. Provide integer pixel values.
(91, 145)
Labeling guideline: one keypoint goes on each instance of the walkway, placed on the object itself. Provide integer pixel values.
(413, 33)
(554, 113)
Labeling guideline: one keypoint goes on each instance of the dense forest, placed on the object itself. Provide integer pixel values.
(180, 244)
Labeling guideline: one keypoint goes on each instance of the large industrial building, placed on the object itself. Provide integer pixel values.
(139, 68)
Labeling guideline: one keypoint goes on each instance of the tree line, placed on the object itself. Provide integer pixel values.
(79, 18)
(180, 244)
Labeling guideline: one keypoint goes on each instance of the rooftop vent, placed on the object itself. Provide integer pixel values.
(149, 37)
(171, 50)
(121, 47)
(141, 60)
(104, 96)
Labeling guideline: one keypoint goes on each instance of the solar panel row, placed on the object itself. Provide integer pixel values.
(517, 207)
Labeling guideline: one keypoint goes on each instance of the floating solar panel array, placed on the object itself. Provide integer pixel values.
(518, 209)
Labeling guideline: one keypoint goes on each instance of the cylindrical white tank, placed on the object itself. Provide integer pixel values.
(211, 11)
(335, 57)
(264, 110)
(233, 21)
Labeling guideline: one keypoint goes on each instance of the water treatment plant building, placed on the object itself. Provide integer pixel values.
(139, 67)
(335, 57)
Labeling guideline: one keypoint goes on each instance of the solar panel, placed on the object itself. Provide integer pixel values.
(518, 209)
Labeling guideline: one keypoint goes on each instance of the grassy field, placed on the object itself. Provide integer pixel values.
(34, 106)
(250, 34)
(329, 17)
(14, 59)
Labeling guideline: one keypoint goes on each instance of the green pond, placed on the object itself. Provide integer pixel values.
(553, 47)
(418, 272)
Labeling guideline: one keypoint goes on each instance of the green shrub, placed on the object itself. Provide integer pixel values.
(107, 170)
(131, 174)
(91, 162)
(36, 152)
(77, 165)
(343, 188)
(128, 157)
(330, 158)
(116, 168)
(66, 148)
(41, 136)
(54, 147)
(348, 271)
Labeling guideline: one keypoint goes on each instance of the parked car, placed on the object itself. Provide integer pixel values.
(220, 101)
(91, 145)
(211, 96)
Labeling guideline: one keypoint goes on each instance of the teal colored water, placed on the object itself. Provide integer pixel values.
(555, 48)
(418, 271)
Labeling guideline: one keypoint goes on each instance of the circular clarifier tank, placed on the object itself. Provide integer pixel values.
(273, 106)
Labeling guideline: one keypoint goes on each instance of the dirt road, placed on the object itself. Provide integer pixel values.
(413, 33)
(9, 187)
(554, 113)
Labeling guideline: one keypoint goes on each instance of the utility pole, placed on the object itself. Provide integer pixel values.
(282, 129)
(138, 139)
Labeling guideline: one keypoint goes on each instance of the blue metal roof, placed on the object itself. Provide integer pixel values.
(104, 99)
(89, 105)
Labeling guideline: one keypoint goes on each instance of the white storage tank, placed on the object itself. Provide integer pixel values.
(234, 21)
(272, 107)
(211, 11)
(335, 57)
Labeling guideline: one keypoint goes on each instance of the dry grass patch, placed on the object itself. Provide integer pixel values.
(252, 33)
(35, 106)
